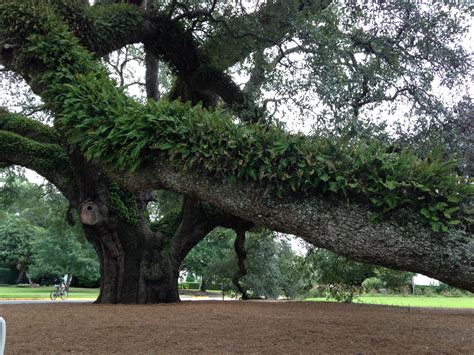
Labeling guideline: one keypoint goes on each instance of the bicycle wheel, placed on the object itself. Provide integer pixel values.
(64, 295)
(53, 295)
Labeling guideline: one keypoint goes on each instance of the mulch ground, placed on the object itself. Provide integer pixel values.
(213, 327)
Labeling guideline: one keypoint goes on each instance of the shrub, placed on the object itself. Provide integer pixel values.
(427, 291)
(342, 293)
(189, 285)
(450, 291)
(372, 283)
(316, 291)
(338, 292)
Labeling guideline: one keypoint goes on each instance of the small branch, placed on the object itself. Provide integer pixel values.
(151, 75)
(190, 15)
(239, 247)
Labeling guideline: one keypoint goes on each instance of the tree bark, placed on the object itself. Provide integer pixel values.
(239, 247)
(401, 243)
(203, 286)
(136, 265)
(141, 266)
(151, 75)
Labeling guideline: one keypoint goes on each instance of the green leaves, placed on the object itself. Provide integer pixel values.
(114, 129)
(209, 142)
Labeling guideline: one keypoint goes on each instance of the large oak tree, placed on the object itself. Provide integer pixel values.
(216, 143)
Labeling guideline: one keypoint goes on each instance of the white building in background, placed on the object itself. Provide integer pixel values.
(422, 280)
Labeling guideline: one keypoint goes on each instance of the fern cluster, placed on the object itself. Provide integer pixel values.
(112, 128)
(284, 164)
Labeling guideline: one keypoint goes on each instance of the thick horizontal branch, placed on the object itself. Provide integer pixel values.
(28, 128)
(337, 226)
(48, 160)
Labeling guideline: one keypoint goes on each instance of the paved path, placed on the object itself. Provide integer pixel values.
(44, 301)
(40, 301)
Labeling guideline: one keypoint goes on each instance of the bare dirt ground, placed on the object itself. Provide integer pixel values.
(213, 327)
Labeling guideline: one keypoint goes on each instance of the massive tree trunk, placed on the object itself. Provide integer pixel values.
(137, 265)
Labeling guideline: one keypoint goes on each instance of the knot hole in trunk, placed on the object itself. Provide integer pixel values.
(90, 214)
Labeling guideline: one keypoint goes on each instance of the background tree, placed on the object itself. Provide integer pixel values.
(209, 258)
(263, 276)
(15, 245)
(328, 189)
(296, 274)
(394, 280)
(59, 253)
(272, 267)
(331, 268)
(36, 233)
(341, 278)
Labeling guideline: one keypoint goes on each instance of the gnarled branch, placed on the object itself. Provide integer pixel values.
(106, 28)
(48, 160)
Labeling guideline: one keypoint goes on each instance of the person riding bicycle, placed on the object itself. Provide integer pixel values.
(59, 291)
(59, 284)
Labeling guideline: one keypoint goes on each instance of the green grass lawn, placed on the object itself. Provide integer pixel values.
(9, 292)
(413, 301)
(12, 292)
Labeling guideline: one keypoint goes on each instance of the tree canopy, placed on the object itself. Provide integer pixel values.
(351, 186)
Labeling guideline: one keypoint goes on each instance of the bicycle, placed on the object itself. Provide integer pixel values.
(60, 291)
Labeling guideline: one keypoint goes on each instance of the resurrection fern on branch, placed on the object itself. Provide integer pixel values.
(110, 127)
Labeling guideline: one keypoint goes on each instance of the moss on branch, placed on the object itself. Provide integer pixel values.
(43, 156)
(28, 128)
(123, 203)
(102, 29)
(48, 160)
